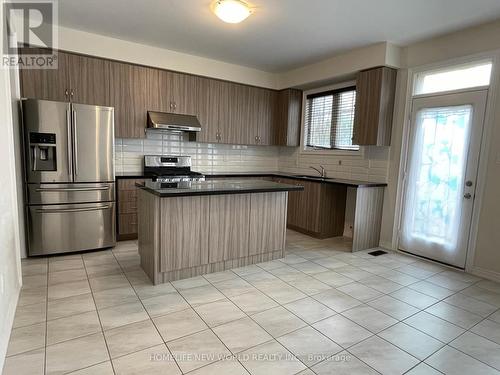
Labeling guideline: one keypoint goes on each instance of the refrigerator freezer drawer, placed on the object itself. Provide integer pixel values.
(67, 228)
(70, 193)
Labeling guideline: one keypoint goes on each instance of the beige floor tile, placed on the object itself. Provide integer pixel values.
(27, 338)
(28, 363)
(104, 270)
(309, 310)
(414, 298)
(431, 289)
(434, 326)
(490, 285)
(495, 317)
(309, 346)
(415, 271)
(60, 277)
(103, 368)
(454, 315)
(451, 361)
(220, 276)
(148, 290)
(30, 314)
(56, 264)
(101, 283)
(479, 348)
(287, 273)
(197, 350)
(353, 272)
(201, 295)
(278, 321)
(343, 363)
(76, 354)
(411, 340)
(310, 268)
(34, 281)
(383, 357)
(259, 277)
(391, 306)
(132, 338)
(37, 268)
(489, 329)
(369, 318)
(224, 367)
(219, 312)
(381, 284)
(234, 287)
(342, 331)
(470, 304)
(121, 315)
(68, 289)
(241, 334)
(360, 291)
(71, 327)
(279, 361)
(336, 300)
(448, 282)
(32, 296)
(165, 304)
(113, 297)
(78, 304)
(399, 277)
(423, 369)
(281, 292)
(483, 295)
(330, 262)
(153, 361)
(192, 282)
(179, 324)
(333, 278)
(253, 302)
(309, 285)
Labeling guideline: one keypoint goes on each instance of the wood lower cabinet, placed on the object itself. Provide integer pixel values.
(127, 208)
(318, 210)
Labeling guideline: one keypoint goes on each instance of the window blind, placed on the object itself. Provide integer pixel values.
(330, 119)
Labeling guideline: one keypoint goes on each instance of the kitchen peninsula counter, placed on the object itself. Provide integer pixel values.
(210, 226)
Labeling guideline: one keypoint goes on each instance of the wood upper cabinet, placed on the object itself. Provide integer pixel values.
(288, 117)
(375, 91)
(46, 84)
(133, 91)
(78, 78)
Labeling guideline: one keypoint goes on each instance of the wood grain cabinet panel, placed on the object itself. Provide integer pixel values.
(375, 92)
(46, 84)
(89, 80)
(133, 91)
(184, 232)
(267, 222)
(288, 117)
(229, 223)
(127, 208)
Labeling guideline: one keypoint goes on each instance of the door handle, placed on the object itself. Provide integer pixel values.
(41, 190)
(70, 161)
(66, 210)
(75, 142)
(467, 195)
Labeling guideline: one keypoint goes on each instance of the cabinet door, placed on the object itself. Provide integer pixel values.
(229, 227)
(267, 222)
(239, 129)
(223, 92)
(288, 118)
(47, 84)
(89, 80)
(265, 116)
(133, 91)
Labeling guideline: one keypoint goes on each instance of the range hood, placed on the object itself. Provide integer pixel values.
(173, 121)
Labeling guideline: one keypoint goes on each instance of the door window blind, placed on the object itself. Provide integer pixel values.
(330, 119)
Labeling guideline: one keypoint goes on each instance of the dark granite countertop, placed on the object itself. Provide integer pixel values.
(216, 187)
(215, 175)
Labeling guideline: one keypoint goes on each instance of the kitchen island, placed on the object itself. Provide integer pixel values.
(210, 226)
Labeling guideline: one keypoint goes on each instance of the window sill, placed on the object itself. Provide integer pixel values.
(339, 152)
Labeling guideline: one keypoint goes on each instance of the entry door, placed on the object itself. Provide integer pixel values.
(441, 174)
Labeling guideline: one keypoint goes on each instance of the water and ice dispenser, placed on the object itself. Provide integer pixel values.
(43, 151)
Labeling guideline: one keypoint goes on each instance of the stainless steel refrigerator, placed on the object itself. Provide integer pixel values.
(69, 172)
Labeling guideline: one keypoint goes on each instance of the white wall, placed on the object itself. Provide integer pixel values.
(481, 39)
(10, 268)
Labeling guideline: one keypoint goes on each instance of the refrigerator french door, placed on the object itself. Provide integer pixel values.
(70, 190)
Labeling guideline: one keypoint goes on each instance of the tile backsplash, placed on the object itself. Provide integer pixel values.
(371, 164)
(206, 157)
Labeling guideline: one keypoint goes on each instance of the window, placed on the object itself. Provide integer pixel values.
(454, 78)
(329, 119)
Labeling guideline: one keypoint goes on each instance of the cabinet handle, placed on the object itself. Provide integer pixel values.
(72, 93)
(66, 93)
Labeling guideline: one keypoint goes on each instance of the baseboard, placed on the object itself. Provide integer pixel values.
(487, 274)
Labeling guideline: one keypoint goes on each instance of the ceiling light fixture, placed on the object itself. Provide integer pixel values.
(231, 11)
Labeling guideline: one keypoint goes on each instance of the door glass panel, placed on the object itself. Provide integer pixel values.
(437, 166)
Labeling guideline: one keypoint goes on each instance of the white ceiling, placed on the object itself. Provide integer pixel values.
(281, 34)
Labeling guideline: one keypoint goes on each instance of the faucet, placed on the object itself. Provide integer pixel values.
(321, 171)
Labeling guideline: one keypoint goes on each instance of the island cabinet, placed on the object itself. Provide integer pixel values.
(181, 237)
(127, 208)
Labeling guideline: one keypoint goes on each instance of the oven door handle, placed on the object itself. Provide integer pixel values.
(99, 188)
(66, 210)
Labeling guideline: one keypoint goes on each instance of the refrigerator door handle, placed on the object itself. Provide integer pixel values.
(99, 188)
(68, 123)
(75, 142)
(64, 210)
